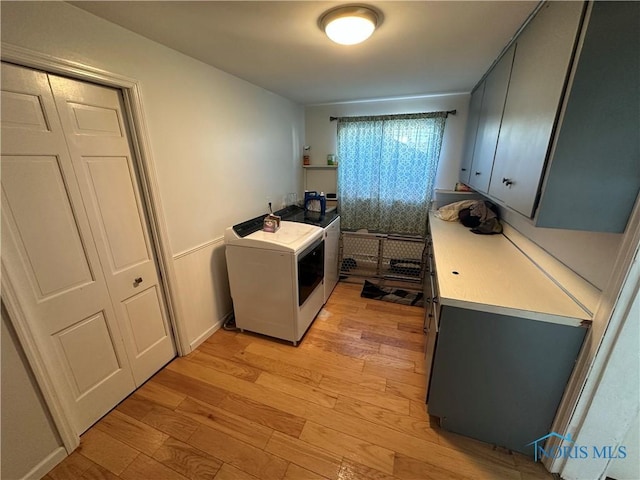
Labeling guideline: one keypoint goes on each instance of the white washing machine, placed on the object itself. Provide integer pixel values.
(276, 279)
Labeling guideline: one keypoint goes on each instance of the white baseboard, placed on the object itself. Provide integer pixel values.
(46, 465)
(210, 331)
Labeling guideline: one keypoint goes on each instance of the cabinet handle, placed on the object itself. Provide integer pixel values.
(507, 181)
(464, 169)
(478, 173)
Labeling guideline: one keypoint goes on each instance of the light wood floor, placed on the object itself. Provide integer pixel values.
(347, 403)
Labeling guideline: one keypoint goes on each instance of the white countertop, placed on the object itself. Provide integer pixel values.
(493, 275)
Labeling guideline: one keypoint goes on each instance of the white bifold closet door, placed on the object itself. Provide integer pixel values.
(75, 240)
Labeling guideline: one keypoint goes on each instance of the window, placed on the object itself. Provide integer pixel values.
(387, 170)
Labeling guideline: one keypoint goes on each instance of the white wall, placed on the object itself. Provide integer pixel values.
(590, 254)
(25, 417)
(220, 145)
(321, 134)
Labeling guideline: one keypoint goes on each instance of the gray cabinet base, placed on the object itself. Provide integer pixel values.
(498, 378)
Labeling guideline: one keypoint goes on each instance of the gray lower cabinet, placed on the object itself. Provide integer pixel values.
(499, 378)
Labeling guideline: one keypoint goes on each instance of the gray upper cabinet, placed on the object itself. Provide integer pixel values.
(594, 173)
(495, 93)
(538, 79)
(470, 137)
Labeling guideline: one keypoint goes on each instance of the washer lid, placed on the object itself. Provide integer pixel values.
(290, 237)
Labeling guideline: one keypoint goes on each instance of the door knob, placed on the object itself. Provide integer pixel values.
(137, 281)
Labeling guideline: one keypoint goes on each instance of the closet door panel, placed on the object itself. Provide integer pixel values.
(50, 256)
(95, 128)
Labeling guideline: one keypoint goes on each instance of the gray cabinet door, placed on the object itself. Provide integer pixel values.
(594, 174)
(495, 93)
(499, 378)
(470, 136)
(538, 77)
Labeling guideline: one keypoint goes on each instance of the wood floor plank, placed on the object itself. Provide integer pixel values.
(394, 308)
(96, 472)
(317, 460)
(375, 433)
(410, 377)
(391, 351)
(400, 422)
(384, 325)
(382, 399)
(530, 470)
(458, 442)
(172, 423)
(225, 421)
(264, 414)
(336, 342)
(405, 390)
(278, 367)
(187, 460)
(230, 384)
(325, 363)
(459, 462)
(160, 395)
(414, 327)
(229, 472)
(350, 447)
(146, 467)
(73, 466)
(419, 410)
(230, 367)
(337, 328)
(135, 407)
(366, 322)
(189, 385)
(379, 360)
(294, 472)
(320, 358)
(351, 470)
(411, 468)
(106, 451)
(298, 390)
(241, 455)
(133, 432)
(414, 345)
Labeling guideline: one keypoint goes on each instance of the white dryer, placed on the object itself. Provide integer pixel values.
(276, 279)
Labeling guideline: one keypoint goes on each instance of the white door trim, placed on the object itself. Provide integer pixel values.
(152, 202)
(609, 319)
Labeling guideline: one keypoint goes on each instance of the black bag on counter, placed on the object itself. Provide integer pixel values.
(483, 217)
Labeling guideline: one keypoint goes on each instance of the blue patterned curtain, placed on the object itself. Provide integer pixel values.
(387, 171)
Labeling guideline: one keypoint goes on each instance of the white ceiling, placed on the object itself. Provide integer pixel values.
(421, 48)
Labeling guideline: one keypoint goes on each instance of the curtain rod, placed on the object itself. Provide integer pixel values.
(448, 112)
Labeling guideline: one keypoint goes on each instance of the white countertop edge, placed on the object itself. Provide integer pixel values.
(582, 292)
(514, 312)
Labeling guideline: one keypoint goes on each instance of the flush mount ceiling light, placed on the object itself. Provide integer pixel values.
(349, 24)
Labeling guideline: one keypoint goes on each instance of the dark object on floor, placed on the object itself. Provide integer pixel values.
(410, 267)
(348, 264)
(394, 295)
